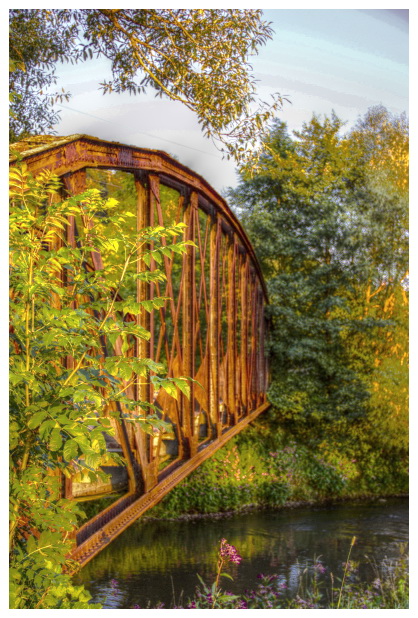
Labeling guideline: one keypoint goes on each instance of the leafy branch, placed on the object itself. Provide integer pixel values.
(61, 307)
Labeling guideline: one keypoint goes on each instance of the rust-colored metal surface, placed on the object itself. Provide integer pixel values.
(211, 326)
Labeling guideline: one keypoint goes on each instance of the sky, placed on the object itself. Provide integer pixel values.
(345, 60)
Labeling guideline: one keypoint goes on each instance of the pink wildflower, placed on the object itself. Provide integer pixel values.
(229, 552)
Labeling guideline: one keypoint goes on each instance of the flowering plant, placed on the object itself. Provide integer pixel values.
(227, 553)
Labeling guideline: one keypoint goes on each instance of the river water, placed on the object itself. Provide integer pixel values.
(158, 560)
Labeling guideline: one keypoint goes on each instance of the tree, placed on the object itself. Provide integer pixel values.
(296, 213)
(383, 143)
(327, 214)
(196, 56)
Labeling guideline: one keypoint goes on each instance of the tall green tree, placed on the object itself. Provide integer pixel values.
(327, 213)
(199, 57)
(297, 216)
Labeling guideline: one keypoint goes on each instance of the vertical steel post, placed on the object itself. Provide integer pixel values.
(252, 340)
(143, 391)
(154, 197)
(232, 332)
(189, 319)
(214, 324)
(244, 331)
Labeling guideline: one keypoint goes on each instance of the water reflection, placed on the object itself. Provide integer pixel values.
(159, 560)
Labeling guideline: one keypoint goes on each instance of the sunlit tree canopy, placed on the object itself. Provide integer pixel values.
(199, 57)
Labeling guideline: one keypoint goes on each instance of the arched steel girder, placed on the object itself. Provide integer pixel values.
(212, 327)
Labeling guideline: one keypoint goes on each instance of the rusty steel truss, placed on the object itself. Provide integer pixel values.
(211, 327)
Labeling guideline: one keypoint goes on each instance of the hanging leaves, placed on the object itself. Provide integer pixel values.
(200, 58)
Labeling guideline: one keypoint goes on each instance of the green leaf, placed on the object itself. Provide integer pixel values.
(169, 388)
(55, 441)
(37, 419)
(228, 597)
(148, 305)
(183, 385)
(15, 378)
(31, 544)
(70, 449)
(45, 428)
(125, 343)
(14, 574)
(205, 587)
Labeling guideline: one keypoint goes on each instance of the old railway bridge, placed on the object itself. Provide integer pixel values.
(212, 328)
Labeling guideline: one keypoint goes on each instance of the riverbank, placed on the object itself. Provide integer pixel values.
(295, 504)
(270, 468)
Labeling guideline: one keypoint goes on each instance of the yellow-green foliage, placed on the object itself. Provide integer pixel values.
(57, 413)
(267, 466)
